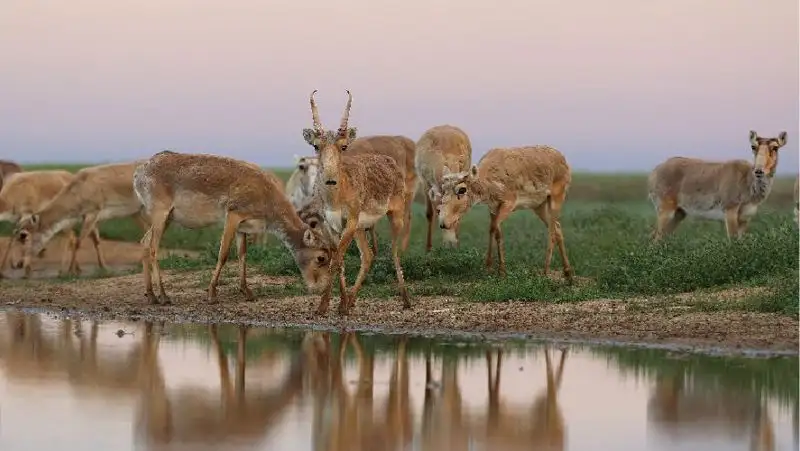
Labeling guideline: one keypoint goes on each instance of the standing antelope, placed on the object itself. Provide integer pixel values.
(301, 183)
(443, 146)
(356, 190)
(197, 190)
(23, 194)
(93, 195)
(506, 180)
(731, 190)
(402, 150)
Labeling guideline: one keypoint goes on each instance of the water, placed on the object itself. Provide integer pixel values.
(79, 385)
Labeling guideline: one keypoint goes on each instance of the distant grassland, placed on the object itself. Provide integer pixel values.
(607, 221)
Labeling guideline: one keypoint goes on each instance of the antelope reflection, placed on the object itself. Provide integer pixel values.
(680, 406)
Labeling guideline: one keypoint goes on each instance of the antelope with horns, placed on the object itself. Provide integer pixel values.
(730, 191)
(197, 190)
(506, 180)
(23, 194)
(443, 146)
(402, 150)
(93, 195)
(356, 190)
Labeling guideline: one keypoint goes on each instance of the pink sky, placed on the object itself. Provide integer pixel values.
(615, 86)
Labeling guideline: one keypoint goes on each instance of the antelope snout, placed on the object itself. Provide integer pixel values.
(330, 182)
(758, 172)
(23, 236)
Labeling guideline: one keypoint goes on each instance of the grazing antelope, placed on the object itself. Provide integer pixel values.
(506, 180)
(197, 190)
(301, 183)
(402, 150)
(730, 191)
(356, 190)
(95, 194)
(6, 169)
(23, 194)
(443, 146)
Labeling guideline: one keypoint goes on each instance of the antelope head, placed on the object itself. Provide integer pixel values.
(765, 153)
(457, 196)
(329, 146)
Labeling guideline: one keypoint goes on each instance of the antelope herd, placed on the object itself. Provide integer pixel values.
(342, 191)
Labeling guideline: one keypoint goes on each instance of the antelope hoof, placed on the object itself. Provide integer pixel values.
(212, 295)
(248, 294)
(164, 299)
(16, 265)
(321, 311)
(569, 274)
(151, 298)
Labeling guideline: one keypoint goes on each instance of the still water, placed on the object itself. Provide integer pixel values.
(71, 384)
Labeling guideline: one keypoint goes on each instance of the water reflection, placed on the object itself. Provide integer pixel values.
(159, 386)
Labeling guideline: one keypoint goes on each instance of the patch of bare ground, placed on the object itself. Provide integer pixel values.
(664, 321)
(120, 256)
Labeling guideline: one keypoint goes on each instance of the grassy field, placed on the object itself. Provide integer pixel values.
(607, 222)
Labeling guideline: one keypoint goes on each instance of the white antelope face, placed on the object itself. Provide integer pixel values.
(456, 198)
(309, 167)
(765, 153)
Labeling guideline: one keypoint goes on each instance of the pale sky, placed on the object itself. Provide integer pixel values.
(616, 86)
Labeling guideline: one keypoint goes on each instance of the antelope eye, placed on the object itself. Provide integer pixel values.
(461, 191)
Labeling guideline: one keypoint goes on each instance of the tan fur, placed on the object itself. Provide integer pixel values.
(439, 147)
(197, 190)
(506, 180)
(23, 194)
(729, 190)
(356, 191)
(6, 169)
(95, 194)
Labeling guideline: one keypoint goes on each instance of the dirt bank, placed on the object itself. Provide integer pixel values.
(643, 321)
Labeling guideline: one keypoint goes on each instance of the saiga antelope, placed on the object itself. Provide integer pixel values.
(440, 147)
(94, 194)
(730, 191)
(301, 182)
(506, 180)
(197, 190)
(356, 190)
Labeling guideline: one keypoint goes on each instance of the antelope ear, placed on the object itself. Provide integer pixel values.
(782, 138)
(309, 136)
(351, 134)
(753, 138)
(474, 170)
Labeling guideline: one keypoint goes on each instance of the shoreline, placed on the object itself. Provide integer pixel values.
(632, 322)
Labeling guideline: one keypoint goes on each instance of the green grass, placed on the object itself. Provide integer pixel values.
(607, 223)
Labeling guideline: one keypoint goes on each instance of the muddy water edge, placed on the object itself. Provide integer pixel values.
(114, 384)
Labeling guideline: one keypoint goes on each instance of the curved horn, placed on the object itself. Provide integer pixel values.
(315, 115)
(346, 115)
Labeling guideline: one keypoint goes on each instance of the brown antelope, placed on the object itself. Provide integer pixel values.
(6, 169)
(443, 146)
(509, 179)
(730, 191)
(197, 190)
(402, 150)
(25, 193)
(301, 183)
(356, 190)
(93, 195)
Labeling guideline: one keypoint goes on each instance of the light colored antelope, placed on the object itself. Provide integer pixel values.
(23, 194)
(443, 146)
(356, 191)
(301, 183)
(730, 191)
(95, 194)
(509, 179)
(197, 190)
(6, 169)
(399, 148)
